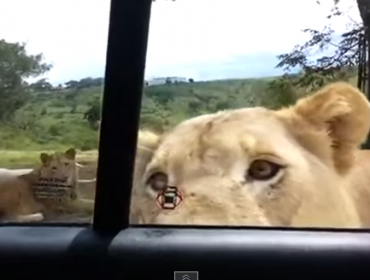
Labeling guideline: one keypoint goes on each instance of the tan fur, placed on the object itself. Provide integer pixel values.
(147, 142)
(360, 186)
(18, 201)
(207, 157)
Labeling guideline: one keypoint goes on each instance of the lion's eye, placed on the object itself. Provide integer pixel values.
(263, 170)
(158, 181)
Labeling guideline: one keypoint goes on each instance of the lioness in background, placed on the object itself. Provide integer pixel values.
(292, 167)
(27, 195)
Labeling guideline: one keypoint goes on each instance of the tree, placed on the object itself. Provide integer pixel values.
(341, 54)
(168, 81)
(339, 57)
(16, 65)
(93, 114)
(339, 65)
(84, 83)
(71, 84)
(280, 92)
(364, 9)
(42, 85)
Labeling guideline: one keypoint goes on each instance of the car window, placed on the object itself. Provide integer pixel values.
(252, 114)
(52, 59)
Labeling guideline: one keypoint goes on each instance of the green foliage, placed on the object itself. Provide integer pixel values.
(56, 121)
(92, 115)
(280, 92)
(61, 118)
(339, 60)
(166, 105)
(15, 66)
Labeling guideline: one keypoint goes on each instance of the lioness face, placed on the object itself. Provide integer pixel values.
(260, 167)
(59, 166)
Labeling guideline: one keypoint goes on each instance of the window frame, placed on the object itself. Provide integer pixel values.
(111, 246)
(121, 105)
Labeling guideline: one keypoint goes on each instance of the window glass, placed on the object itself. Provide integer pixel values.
(215, 147)
(52, 59)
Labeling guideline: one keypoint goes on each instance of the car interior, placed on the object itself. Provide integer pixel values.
(111, 248)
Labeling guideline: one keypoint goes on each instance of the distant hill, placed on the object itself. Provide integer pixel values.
(65, 116)
(164, 80)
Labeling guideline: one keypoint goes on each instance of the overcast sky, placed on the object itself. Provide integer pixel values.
(202, 39)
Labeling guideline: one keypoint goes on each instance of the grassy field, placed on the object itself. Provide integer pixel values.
(25, 159)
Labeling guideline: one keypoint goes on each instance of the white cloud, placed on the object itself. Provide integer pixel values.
(73, 33)
(206, 30)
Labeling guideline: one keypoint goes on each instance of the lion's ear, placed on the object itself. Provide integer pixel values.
(44, 158)
(148, 139)
(146, 145)
(342, 112)
(71, 153)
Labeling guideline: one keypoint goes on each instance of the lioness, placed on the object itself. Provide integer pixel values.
(254, 166)
(27, 195)
(360, 186)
